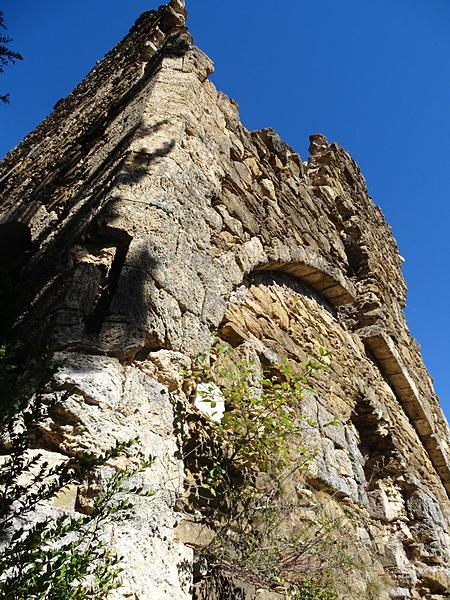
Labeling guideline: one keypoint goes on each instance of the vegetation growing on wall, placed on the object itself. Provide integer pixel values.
(244, 470)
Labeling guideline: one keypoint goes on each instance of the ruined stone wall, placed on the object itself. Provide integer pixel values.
(156, 217)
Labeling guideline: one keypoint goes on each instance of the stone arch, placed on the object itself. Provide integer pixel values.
(319, 275)
(301, 263)
(322, 281)
(277, 313)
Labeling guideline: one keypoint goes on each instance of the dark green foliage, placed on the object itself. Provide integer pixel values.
(7, 56)
(67, 557)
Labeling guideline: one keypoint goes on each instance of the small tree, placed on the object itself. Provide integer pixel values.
(7, 56)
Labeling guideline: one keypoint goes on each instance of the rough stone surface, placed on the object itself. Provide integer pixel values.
(156, 217)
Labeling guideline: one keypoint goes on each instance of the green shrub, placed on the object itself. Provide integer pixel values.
(67, 557)
(258, 444)
(263, 420)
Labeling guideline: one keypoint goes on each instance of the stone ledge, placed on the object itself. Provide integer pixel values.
(391, 364)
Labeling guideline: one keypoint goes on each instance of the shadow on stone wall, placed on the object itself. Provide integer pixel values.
(39, 284)
(219, 587)
(50, 283)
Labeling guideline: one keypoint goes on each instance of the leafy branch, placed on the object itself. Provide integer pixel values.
(255, 447)
(67, 557)
(7, 56)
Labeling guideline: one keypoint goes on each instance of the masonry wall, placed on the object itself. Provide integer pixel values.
(149, 216)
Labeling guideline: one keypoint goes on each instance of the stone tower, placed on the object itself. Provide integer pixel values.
(140, 216)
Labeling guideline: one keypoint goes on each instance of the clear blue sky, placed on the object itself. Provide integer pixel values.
(373, 76)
